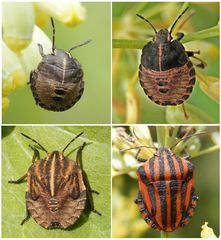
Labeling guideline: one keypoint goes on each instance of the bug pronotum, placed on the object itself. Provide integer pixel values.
(57, 188)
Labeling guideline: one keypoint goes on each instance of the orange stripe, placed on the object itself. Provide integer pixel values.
(177, 168)
(168, 195)
(168, 202)
(145, 190)
(145, 193)
(185, 168)
(179, 188)
(178, 205)
(158, 216)
(188, 193)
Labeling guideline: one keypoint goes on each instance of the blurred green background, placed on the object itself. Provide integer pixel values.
(125, 62)
(127, 220)
(94, 106)
(16, 159)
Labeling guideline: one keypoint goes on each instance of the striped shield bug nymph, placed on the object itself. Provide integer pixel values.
(57, 188)
(166, 73)
(166, 197)
(57, 83)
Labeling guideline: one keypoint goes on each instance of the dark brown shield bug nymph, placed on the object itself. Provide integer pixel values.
(57, 83)
(166, 73)
(57, 188)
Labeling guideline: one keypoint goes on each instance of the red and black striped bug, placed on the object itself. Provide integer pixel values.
(166, 73)
(166, 197)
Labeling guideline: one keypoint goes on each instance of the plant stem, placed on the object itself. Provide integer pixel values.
(161, 136)
(164, 234)
(206, 151)
(139, 44)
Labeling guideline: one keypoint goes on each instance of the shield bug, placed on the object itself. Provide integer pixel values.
(166, 73)
(166, 197)
(57, 83)
(57, 188)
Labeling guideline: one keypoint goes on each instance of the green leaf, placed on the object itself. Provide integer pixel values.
(16, 159)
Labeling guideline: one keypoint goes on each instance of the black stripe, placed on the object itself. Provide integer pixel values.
(151, 167)
(66, 162)
(190, 170)
(161, 165)
(148, 216)
(150, 189)
(171, 165)
(75, 193)
(173, 188)
(161, 187)
(47, 173)
(180, 166)
(173, 192)
(42, 171)
(183, 195)
(57, 173)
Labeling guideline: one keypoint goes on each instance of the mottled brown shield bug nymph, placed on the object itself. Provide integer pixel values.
(57, 83)
(166, 73)
(57, 188)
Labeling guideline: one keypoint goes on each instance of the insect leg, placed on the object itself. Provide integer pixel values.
(20, 180)
(36, 155)
(202, 63)
(184, 111)
(187, 155)
(91, 202)
(89, 190)
(41, 50)
(27, 216)
(139, 159)
(148, 218)
(179, 35)
(191, 208)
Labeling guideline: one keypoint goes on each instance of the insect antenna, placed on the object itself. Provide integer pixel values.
(33, 140)
(71, 142)
(147, 22)
(82, 44)
(53, 38)
(183, 139)
(178, 19)
(138, 147)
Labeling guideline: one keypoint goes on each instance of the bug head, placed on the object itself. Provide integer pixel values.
(163, 36)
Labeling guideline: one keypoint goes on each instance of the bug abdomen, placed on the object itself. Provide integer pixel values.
(53, 95)
(171, 87)
(167, 205)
